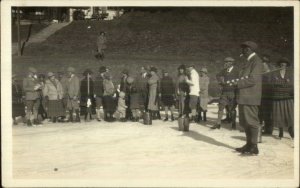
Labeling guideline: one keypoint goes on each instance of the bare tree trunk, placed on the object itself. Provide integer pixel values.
(18, 30)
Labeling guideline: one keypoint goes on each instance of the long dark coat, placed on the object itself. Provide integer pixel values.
(134, 96)
(167, 89)
(18, 108)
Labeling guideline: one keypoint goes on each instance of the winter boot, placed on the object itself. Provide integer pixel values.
(204, 116)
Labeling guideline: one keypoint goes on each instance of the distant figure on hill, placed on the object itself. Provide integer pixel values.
(101, 45)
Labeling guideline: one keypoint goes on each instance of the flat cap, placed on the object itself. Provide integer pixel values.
(229, 59)
(50, 74)
(204, 70)
(32, 70)
(250, 44)
(70, 69)
(181, 67)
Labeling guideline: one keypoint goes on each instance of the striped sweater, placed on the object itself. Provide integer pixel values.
(282, 88)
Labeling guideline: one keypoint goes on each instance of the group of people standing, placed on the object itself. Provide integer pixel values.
(64, 96)
(263, 94)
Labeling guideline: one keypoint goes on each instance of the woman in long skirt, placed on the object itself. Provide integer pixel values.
(204, 82)
(53, 94)
(283, 98)
(182, 90)
(18, 108)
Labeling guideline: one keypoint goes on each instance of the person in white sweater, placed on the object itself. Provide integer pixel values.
(193, 82)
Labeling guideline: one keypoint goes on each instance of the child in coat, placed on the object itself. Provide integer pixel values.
(122, 106)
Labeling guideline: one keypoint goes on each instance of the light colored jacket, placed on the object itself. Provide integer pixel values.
(109, 88)
(52, 91)
(194, 83)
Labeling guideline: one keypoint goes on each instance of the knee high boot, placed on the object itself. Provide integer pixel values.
(254, 138)
(199, 118)
(280, 133)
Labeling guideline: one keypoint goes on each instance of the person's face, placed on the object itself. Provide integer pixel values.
(166, 74)
(227, 64)
(69, 73)
(52, 78)
(152, 73)
(181, 71)
(283, 65)
(143, 70)
(246, 51)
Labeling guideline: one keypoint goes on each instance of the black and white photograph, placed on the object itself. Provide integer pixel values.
(150, 93)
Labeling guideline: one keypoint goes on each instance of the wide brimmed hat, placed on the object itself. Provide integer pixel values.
(50, 74)
(284, 60)
(102, 69)
(153, 69)
(125, 71)
(204, 70)
(32, 70)
(229, 59)
(181, 67)
(87, 71)
(71, 69)
(190, 65)
(61, 70)
(252, 45)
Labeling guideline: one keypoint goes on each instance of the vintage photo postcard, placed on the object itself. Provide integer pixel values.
(102, 93)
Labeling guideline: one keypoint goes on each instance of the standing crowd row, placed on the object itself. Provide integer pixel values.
(64, 97)
(263, 93)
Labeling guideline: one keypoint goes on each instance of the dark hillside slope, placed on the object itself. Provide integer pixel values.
(203, 33)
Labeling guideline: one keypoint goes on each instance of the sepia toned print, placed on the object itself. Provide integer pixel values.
(161, 96)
